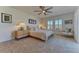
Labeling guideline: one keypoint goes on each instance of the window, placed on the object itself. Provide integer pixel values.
(58, 24)
(55, 24)
(50, 24)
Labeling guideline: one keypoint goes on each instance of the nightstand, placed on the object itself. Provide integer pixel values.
(20, 34)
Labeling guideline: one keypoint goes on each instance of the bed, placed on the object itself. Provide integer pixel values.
(42, 34)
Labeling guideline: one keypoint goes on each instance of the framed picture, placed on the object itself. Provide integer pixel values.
(68, 21)
(6, 18)
(32, 21)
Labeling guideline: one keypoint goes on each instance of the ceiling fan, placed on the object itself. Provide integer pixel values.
(44, 10)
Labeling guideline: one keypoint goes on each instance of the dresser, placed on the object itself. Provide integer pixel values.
(20, 34)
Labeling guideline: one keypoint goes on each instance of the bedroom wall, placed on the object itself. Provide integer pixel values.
(67, 16)
(43, 22)
(7, 28)
(76, 25)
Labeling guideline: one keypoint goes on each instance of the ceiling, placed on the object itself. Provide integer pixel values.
(57, 10)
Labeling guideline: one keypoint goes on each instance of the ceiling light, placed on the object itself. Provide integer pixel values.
(43, 11)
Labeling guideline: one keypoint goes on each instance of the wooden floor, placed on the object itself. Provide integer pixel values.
(56, 44)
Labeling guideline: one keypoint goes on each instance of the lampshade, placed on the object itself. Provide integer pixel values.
(21, 25)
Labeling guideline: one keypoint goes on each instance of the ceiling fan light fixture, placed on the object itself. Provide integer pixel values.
(43, 11)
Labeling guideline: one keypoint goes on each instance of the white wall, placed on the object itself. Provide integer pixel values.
(76, 25)
(68, 16)
(7, 28)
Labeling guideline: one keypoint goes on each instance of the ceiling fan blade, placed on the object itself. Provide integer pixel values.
(49, 11)
(49, 8)
(42, 7)
(37, 11)
(45, 14)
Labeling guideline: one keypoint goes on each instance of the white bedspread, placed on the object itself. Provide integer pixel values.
(46, 32)
(43, 34)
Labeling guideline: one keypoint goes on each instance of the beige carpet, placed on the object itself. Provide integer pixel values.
(24, 45)
(55, 44)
